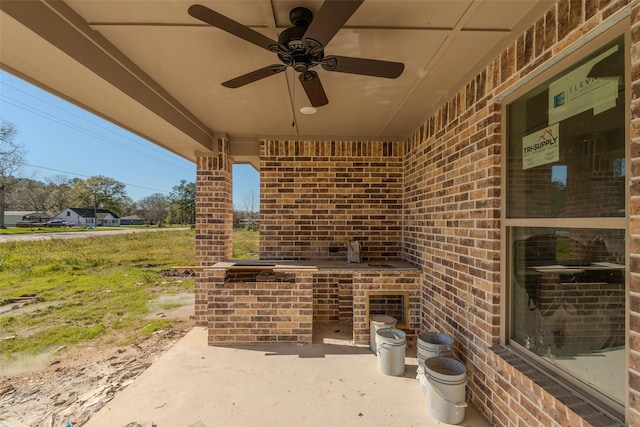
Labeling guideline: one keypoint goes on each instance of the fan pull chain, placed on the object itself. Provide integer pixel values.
(293, 107)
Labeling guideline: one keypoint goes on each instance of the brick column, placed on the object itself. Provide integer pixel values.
(214, 217)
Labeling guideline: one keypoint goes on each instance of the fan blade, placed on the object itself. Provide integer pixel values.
(313, 88)
(253, 76)
(368, 67)
(211, 17)
(333, 14)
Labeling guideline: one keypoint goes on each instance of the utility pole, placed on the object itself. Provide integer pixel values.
(2, 225)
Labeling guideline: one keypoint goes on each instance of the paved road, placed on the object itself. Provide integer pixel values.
(24, 237)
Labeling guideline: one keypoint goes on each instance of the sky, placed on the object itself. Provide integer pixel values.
(61, 139)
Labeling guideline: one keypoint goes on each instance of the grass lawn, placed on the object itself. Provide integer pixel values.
(246, 244)
(25, 230)
(89, 288)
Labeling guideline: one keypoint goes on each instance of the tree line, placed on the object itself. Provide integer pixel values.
(58, 193)
(97, 192)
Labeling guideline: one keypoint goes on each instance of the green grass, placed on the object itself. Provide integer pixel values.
(91, 288)
(95, 287)
(246, 244)
(87, 287)
(22, 230)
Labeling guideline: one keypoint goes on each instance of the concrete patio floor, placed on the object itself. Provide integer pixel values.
(196, 385)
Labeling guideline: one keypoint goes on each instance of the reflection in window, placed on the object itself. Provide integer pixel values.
(563, 158)
(559, 186)
(568, 299)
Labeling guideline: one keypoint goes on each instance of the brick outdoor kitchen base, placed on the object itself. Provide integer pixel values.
(278, 302)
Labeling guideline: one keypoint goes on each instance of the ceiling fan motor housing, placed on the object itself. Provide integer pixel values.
(298, 56)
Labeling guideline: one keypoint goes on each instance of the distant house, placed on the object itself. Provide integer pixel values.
(86, 217)
(11, 218)
(131, 220)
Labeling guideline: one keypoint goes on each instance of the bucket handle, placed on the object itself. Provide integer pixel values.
(389, 345)
(444, 349)
(456, 404)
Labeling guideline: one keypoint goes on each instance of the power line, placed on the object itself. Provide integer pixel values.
(83, 130)
(74, 126)
(83, 118)
(87, 176)
(142, 147)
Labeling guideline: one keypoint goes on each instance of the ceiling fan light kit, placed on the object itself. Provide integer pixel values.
(301, 47)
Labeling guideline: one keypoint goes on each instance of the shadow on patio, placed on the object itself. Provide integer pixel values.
(308, 385)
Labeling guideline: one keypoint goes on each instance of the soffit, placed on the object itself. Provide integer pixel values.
(153, 69)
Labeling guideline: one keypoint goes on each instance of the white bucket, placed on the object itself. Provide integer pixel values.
(433, 344)
(379, 321)
(446, 387)
(392, 348)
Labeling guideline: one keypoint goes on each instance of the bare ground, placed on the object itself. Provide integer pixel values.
(77, 384)
(67, 387)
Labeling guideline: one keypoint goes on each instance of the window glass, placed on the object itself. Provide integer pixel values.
(565, 156)
(568, 301)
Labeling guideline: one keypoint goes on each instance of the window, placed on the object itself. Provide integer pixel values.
(565, 222)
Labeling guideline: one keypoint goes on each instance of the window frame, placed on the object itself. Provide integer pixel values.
(548, 71)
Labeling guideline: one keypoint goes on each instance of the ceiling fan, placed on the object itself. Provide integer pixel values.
(302, 47)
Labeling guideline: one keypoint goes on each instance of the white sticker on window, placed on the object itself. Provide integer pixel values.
(541, 147)
(576, 92)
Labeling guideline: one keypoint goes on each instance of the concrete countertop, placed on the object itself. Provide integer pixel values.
(313, 265)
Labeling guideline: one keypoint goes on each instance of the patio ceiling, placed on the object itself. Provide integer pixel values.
(150, 67)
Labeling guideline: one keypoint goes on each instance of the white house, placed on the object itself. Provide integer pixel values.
(86, 217)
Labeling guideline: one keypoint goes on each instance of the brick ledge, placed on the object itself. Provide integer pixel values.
(568, 396)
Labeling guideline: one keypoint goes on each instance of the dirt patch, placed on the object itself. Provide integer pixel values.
(179, 272)
(76, 384)
(17, 305)
(178, 305)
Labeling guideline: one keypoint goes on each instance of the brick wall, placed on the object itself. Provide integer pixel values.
(333, 297)
(391, 304)
(242, 309)
(214, 218)
(452, 228)
(317, 195)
